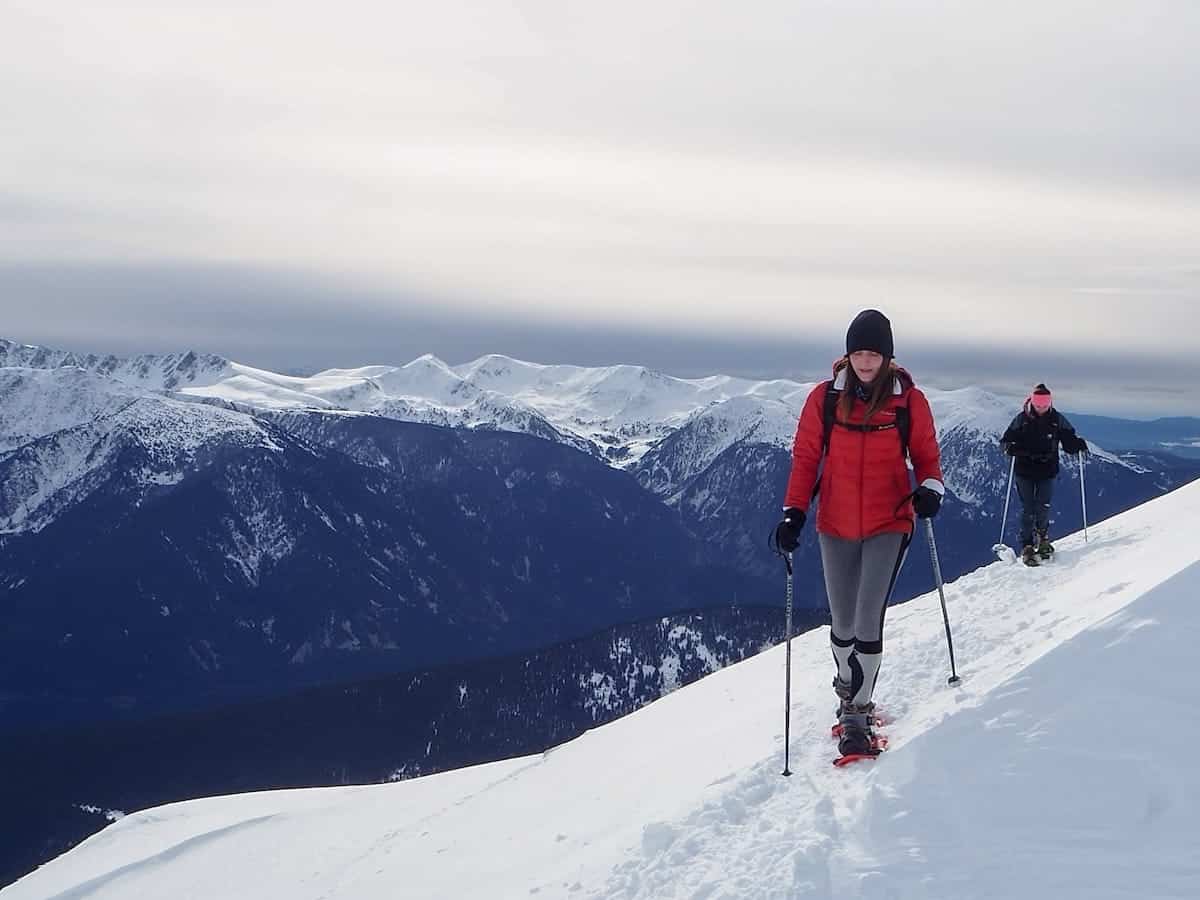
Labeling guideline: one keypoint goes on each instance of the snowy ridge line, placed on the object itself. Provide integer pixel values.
(617, 412)
(684, 798)
(665, 430)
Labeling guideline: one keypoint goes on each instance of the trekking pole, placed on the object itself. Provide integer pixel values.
(1083, 498)
(937, 575)
(1007, 497)
(787, 690)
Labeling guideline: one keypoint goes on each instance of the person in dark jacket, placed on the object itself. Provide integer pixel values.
(867, 504)
(1034, 438)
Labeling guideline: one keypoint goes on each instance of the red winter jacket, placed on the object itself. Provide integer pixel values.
(865, 479)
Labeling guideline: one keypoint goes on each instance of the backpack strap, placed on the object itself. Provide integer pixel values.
(829, 415)
(903, 427)
(828, 420)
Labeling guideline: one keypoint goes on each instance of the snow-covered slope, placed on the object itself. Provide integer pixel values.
(1060, 767)
(692, 448)
(76, 437)
(38, 402)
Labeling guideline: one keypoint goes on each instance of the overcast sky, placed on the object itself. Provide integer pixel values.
(694, 186)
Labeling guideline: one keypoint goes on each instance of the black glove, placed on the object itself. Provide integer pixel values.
(926, 502)
(1081, 448)
(787, 532)
(1011, 449)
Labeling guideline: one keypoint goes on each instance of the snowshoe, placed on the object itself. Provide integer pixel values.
(1029, 556)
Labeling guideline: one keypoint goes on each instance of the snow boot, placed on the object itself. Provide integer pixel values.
(1045, 549)
(842, 689)
(856, 738)
(1029, 556)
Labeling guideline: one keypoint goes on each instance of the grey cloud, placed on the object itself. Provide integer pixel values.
(300, 323)
(1020, 175)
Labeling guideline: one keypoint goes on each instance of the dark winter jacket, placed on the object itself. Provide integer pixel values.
(1034, 440)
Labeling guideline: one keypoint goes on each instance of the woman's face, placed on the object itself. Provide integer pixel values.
(867, 364)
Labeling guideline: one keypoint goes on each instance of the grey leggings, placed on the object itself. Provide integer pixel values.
(859, 577)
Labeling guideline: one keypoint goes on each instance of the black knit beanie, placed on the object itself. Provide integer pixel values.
(870, 330)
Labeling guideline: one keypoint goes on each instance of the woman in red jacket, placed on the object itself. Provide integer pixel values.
(867, 503)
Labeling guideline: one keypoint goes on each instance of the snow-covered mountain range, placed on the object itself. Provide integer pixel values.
(1036, 777)
(183, 531)
(143, 571)
(207, 523)
(617, 412)
(666, 430)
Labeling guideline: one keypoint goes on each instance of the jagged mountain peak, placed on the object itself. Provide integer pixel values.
(165, 372)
